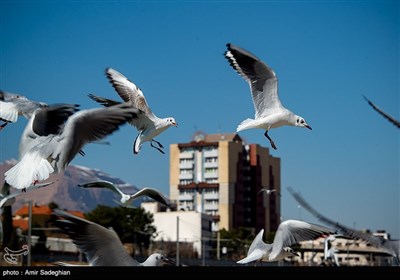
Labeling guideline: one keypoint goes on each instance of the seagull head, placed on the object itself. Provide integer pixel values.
(172, 122)
(290, 252)
(157, 259)
(302, 123)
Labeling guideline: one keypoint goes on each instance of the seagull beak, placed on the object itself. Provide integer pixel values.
(175, 124)
(309, 127)
(296, 254)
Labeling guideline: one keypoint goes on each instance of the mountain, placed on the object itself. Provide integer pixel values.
(66, 193)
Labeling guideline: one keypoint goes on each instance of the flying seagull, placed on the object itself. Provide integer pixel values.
(391, 247)
(269, 111)
(101, 246)
(330, 256)
(289, 232)
(13, 105)
(54, 135)
(9, 199)
(127, 199)
(148, 124)
(269, 191)
(385, 115)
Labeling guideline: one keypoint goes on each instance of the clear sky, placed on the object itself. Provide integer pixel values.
(326, 54)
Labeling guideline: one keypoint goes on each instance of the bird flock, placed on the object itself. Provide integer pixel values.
(56, 133)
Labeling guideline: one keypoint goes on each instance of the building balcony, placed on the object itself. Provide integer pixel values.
(210, 175)
(211, 153)
(185, 176)
(186, 155)
(210, 207)
(185, 197)
(211, 164)
(211, 195)
(186, 165)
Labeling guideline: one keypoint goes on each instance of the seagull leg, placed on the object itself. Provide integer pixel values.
(151, 144)
(159, 144)
(270, 140)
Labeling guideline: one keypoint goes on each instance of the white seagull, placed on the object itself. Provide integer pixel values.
(288, 233)
(54, 135)
(384, 114)
(9, 199)
(330, 256)
(127, 199)
(269, 111)
(269, 191)
(390, 246)
(101, 246)
(147, 123)
(13, 105)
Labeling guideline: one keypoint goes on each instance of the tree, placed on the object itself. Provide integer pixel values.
(133, 225)
(237, 241)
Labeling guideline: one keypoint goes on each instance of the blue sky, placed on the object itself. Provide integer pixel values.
(326, 54)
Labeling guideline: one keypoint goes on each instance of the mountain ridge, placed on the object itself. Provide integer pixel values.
(66, 193)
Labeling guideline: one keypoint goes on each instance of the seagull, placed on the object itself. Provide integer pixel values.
(268, 192)
(391, 247)
(288, 233)
(101, 246)
(127, 199)
(385, 115)
(54, 135)
(12, 105)
(9, 199)
(269, 111)
(147, 123)
(330, 256)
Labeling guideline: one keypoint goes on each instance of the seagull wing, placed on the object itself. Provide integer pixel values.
(153, 193)
(51, 120)
(385, 115)
(101, 246)
(390, 246)
(293, 231)
(257, 249)
(87, 126)
(141, 122)
(128, 91)
(103, 101)
(262, 80)
(10, 199)
(102, 184)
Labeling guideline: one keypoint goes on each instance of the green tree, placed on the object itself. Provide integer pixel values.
(133, 225)
(237, 241)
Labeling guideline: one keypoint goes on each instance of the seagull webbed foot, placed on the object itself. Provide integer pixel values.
(270, 140)
(158, 148)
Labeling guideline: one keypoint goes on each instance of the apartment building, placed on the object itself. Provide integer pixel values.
(220, 175)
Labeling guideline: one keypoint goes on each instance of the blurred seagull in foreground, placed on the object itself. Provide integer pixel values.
(13, 105)
(289, 232)
(127, 199)
(385, 115)
(269, 111)
(9, 199)
(54, 135)
(391, 247)
(147, 123)
(101, 246)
